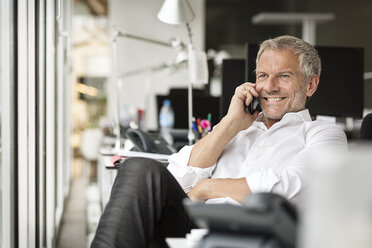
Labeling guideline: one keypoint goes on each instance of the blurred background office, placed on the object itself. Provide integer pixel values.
(59, 102)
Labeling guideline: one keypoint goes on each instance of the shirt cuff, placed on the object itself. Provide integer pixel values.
(262, 181)
(187, 176)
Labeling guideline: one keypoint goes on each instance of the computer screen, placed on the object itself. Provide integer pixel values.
(341, 89)
(233, 71)
(203, 104)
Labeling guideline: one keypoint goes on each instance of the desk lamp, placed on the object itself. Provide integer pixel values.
(174, 43)
(180, 12)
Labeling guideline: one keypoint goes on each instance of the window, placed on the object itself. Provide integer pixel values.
(1, 186)
(7, 223)
(1, 210)
(29, 216)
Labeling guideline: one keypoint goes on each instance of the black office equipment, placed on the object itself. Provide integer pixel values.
(264, 220)
(233, 71)
(202, 105)
(341, 89)
(250, 62)
(366, 128)
(148, 142)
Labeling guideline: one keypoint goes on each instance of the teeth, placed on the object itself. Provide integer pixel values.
(275, 99)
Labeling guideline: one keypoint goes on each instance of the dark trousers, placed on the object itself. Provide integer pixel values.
(145, 206)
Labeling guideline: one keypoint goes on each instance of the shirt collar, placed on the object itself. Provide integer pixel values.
(304, 115)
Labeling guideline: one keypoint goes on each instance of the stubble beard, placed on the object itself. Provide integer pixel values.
(295, 106)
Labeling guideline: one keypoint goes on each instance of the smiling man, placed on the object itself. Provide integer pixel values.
(244, 153)
(267, 151)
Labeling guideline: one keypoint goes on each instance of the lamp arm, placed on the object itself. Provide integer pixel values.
(117, 90)
(173, 42)
(189, 33)
(137, 37)
(154, 68)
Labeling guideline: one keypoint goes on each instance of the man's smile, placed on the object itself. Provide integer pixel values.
(274, 99)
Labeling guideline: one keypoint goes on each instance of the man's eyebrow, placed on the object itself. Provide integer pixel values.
(258, 72)
(286, 72)
(281, 72)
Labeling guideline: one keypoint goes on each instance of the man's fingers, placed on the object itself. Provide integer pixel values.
(246, 92)
(248, 100)
(251, 88)
(249, 84)
(254, 92)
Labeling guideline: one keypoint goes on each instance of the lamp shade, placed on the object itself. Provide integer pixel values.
(176, 12)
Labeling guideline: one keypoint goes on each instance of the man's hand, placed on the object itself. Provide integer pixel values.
(197, 193)
(220, 187)
(242, 97)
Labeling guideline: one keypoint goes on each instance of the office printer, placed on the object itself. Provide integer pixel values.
(265, 220)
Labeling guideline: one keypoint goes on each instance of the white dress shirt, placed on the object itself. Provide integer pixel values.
(271, 160)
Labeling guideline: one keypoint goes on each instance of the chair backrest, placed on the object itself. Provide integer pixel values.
(366, 128)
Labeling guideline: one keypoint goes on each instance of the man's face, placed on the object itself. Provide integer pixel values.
(280, 84)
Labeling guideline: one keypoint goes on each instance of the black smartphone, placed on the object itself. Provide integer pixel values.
(253, 106)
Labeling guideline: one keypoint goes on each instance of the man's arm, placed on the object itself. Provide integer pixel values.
(289, 182)
(236, 189)
(206, 152)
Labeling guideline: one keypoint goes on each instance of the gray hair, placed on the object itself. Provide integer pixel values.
(308, 58)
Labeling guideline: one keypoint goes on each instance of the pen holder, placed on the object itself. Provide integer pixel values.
(201, 128)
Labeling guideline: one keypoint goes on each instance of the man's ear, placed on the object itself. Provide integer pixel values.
(312, 86)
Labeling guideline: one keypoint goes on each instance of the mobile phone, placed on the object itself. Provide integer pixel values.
(253, 106)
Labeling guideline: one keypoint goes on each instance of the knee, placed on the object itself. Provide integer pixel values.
(141, 172)
(142, 166)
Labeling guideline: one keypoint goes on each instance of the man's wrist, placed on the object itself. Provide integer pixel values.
(203, 189)
(230, 126)
(207, 188)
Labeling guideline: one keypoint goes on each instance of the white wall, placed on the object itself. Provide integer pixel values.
(140, 17)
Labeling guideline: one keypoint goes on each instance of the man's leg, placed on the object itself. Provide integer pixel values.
(145, 205)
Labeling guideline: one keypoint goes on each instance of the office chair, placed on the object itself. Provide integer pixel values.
(265, 220)
(366, 128)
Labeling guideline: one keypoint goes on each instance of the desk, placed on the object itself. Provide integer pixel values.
(105, 178)
(106, 172)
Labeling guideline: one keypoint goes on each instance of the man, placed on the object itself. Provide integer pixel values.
(245, 153)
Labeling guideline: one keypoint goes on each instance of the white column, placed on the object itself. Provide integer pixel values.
(50, 123)
(26, 124)
(309, 31)
(7, 122)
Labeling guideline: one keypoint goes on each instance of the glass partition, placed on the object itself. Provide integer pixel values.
(1, 175)
(7, 224)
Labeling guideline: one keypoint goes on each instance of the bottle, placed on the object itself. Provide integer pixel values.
(166, 121)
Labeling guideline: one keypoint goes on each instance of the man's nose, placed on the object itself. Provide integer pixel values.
(271, 84)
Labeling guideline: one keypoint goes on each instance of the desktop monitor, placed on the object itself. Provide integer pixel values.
(203, 104)
(341, 89)
(233, 71)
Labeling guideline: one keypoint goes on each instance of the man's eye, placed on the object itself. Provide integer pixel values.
(261, 76)
(284, 76)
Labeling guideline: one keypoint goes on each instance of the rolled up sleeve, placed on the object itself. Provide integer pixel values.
(187, 176)
(287, 183)
(262, 181)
